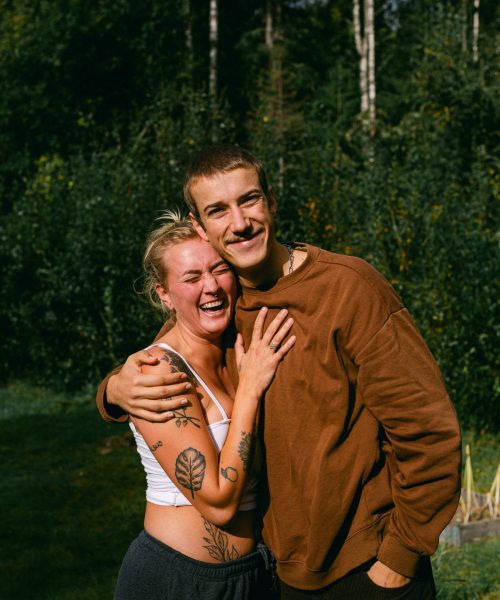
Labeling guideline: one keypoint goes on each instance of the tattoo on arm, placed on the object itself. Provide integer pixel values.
(245, 448)
(229, 473)
(179, 366)
(218, 543)
(190, 469)
(182, 419)
(156, 445)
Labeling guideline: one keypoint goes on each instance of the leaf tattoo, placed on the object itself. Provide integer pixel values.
(190, 469)
(217, 543)
(229, 473)
(182, 419)
(179, 366)
(245, 448)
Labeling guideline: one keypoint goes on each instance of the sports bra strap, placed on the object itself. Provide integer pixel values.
(205, 386)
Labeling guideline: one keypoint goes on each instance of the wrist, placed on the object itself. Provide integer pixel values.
(247, 392)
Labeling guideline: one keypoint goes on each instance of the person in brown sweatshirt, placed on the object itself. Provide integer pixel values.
(362, 443)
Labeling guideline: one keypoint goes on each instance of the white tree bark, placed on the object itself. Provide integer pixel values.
(188, 36)
(475, 32)
(364, 38)
(213, 33)
(269, 27)
(370, 51)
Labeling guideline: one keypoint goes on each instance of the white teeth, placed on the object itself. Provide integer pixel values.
(213, 304)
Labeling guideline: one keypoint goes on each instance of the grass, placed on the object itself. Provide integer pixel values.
(72, 499)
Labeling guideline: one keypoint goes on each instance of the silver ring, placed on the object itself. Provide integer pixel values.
(273, 347)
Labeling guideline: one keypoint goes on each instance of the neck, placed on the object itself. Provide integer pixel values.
(273, 268)
(197, 350)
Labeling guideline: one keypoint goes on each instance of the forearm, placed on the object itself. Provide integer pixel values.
(236, 456)
(426, 491)
(402, 387)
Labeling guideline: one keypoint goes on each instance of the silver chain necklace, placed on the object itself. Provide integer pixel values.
(289, 247)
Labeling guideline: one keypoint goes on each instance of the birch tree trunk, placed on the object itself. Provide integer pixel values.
(364, 38)
(370, 51)
(212, 77)
(188, 38)
(363, 63)
(268, 27)
(274, 44)
(475, 32)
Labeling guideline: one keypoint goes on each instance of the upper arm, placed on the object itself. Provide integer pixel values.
(182, 446)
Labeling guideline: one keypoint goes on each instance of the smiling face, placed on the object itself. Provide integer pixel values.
(236, 218)
(200, 287)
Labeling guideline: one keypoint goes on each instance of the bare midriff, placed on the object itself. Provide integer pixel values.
(185, 530)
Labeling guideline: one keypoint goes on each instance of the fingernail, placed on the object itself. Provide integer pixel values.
(169, 414)
(184, 402)
(188, 386)
(183, 375)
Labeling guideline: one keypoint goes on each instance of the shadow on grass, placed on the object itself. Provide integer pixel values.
(72, 499)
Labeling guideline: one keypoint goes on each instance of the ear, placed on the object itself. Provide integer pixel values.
(164, 296)
(271, 200)
(198, 227)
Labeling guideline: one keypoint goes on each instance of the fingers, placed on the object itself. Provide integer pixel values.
(286, 347)
(153, 417)
(239, 349)
(275, 326)
(281, 334)
(259, 325)
(160, 391)
(159, 411)
(143, 357)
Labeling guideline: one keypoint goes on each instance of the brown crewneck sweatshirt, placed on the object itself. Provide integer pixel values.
(362, 442)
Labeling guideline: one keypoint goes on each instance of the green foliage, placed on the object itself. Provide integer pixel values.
(469, 572)
(101, 107)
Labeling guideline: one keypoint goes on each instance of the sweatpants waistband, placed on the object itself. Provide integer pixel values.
(198, 568)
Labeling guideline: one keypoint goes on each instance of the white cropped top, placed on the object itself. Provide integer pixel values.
(160, 488)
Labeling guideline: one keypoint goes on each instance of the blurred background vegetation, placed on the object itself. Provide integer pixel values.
(386, 148)
(103, 103)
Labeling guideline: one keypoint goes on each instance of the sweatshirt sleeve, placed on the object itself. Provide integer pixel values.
(401, 385)
(109, 412)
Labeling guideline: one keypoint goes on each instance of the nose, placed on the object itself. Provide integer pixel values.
(239, 223)
(210, 284)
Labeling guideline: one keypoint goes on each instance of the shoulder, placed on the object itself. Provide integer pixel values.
(169, 360)
(355, 275)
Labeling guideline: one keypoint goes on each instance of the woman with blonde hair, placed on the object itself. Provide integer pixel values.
(199, 538)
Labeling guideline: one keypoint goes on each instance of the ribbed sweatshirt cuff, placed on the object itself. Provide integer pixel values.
(397, 557)
(108, 411)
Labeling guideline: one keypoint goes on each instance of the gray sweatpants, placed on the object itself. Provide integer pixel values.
(152, 570)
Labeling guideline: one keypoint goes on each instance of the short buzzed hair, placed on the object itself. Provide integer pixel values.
(220, 158)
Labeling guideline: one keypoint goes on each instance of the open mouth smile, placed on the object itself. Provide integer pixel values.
(213, 305)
